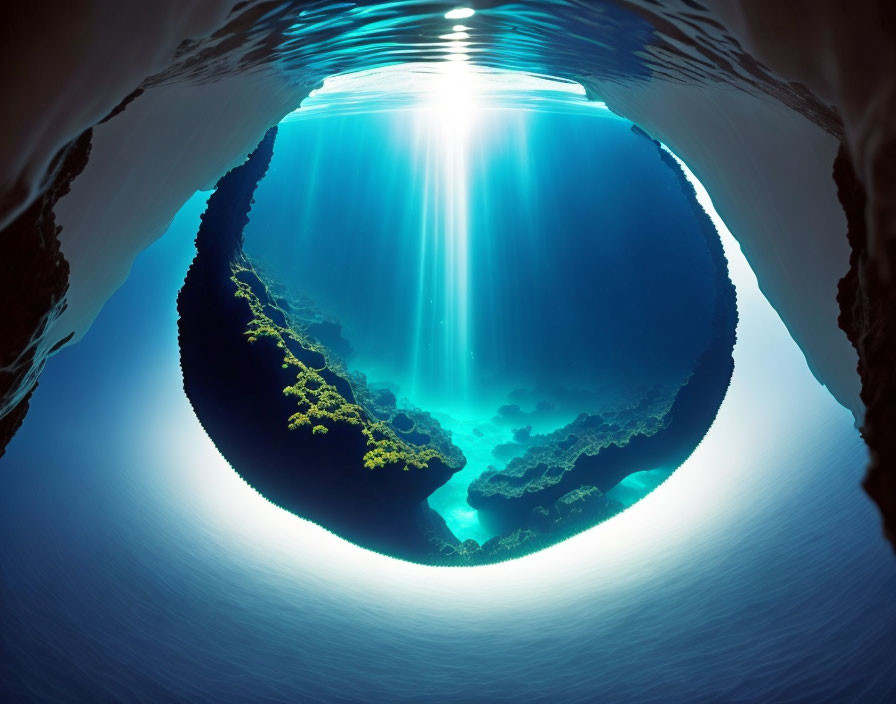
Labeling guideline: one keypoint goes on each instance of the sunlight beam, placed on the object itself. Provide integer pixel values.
(445, 121)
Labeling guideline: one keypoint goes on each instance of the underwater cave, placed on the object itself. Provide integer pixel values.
(459, 351)
(424, 351)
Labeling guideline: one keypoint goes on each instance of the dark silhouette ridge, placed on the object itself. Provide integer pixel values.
(33, 282)
(868, 317)
(237, 390)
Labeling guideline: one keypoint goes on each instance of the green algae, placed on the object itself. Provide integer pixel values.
(320, 404)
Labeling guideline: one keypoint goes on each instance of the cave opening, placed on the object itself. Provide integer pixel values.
(268, 407)
(478, 268)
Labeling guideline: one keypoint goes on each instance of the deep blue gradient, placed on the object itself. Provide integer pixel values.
(579, 244)
(502, 269)
(137, 566)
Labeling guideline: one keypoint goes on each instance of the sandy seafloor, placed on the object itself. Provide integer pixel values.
(136, 566)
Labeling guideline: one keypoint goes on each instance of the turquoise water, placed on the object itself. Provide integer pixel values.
(138, 566)
(565, 38)
(142, 567)
(505, 265)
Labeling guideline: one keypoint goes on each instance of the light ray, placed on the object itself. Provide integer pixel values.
(444, 125)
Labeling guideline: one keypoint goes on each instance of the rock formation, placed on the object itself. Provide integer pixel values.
(33, 283)
(294, 424)
(597, 451)
(868, 317)
(756, 97)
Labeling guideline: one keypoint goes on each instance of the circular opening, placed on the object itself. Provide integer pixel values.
(465, 319)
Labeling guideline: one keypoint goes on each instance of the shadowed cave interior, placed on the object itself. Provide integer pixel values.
(592, 299)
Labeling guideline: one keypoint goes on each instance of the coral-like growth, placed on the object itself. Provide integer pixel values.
(253, 369)
(320, 402)
(597, 451)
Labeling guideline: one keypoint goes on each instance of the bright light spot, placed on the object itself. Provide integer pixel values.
(411, 87)
(455, 35)
(459, 28)
(451, 101)
(460, 13)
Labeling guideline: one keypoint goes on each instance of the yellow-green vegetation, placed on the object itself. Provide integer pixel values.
(320, 405)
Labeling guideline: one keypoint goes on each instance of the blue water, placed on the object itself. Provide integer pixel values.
(565, 38)
(504, 269)
(137, 566)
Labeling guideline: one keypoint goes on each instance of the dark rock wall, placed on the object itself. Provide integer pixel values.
(829, 61)
(33, 282)
(868, 316)
(237, 388)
